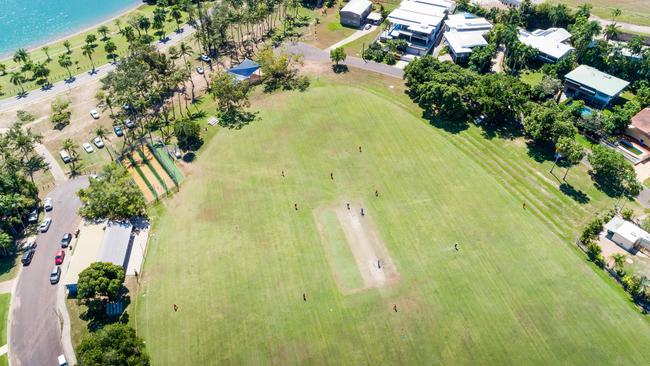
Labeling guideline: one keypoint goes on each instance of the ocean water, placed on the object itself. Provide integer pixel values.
(30, 23)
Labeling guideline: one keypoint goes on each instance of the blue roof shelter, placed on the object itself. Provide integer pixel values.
(244, 70)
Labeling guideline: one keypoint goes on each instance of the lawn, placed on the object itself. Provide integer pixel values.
(236, 257)
(632, 11)
(329, 29)
(81, 62)
(4, 313)
(532, 78)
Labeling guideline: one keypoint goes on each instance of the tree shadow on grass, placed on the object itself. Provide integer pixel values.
(453, 127)
(7, 263)
(506, 130)
(576, 195)
(540, 152)
(96, 317)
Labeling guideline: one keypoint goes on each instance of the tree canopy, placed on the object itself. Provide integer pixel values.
(113, 195)
(613, 173)
(116, 345)
(100, 279)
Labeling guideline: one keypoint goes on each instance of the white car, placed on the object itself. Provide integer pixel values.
(368, 26)
(98, 142)
(88, 147)
(94, 114)
(33, 217)
(47, 204)
(64, 156)
(62, 361)
(205, 58)
(200, 70)
(45, 225)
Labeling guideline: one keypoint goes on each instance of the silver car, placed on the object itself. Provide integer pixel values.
(45, 225)
(48, 204)
(55, 275)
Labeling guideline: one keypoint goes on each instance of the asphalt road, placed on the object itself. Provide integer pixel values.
(34, 326)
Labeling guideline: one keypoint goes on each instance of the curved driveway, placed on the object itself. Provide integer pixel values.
(34, 325)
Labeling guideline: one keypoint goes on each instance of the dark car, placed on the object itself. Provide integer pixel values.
(27, 257)
(118, 131)
(65, 241)
(55, 275)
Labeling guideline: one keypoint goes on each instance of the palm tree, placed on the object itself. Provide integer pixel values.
(88, 50)
(110, 49)
(619, 261)
(21, 56)
(129, 34)
(118, 24)
(17, 78)
(611, 31)
(102, 133)
(65, 61)
(144, 23)
(46, 51)
(103, 30)
(42, 73)
(71, 148)
(616, 12)
(3, 69)
(176, 13)
(67, 46)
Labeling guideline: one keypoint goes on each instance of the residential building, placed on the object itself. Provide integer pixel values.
(419, 23)
(639, 127)
(516, 3)
(627, 235)
(355, 12)
(593, 86)
(551, 43)
(374, 18)
(464, 32)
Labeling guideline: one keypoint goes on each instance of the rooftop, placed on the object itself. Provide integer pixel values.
(422, 16)
(116, 243)
(549, 41)
(357, 6)
(467, 22)
(85, 251)
(463, 42)
(626, 229)
(597, 80)
(642, 120)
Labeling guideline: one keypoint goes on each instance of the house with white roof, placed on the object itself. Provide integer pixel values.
(551, 43)
(464, 32)
(355, 12)
(593, 86)
(627, 235)
(418, 22)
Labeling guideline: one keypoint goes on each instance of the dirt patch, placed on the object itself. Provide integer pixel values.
(368, 251)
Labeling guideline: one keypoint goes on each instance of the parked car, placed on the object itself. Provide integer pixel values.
(88, 147)
(128, 123)
(368, 26)
(205, 58)
(31, 245)
(200, 70)
(64, 156)
(33, 217)
(47, 204)
(58, 258)
(65, 241)
(94, 114)
(98, 142)
(45, 225)
(27, 257)
(118, 131)
(55, 275)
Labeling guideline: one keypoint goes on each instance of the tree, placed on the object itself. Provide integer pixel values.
(6, 244)
(279, 70)
(66, 62)
(188, 134)
(46, 51)
(60, 113)
(481, 58)
(619, 262)
(42, 74)
(500, 98)
(612, 31)
(67, 46)
(612, 173)
(102, 133)
(72, 148)
(89, 49)
(177, 15)
(144, 23)
(574, 154)
(337, 55)
(100, 279)
(3, 69)
(113, 196)
(21, 56)
(115, 344)
(110, 49)
(103, 30)
(547, 123)
(18, 78)
(232, 99)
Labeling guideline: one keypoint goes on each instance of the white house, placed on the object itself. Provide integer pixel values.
(464, 32)
(551, 43)
(418, 22)
(516, 3)
(627, 235)
(355, 12)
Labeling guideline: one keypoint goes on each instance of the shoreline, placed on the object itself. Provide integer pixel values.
(5, 57)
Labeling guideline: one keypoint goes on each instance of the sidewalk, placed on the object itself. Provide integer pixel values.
(56, 170)
(356, 35)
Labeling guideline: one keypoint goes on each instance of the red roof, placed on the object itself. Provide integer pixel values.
(642, 120)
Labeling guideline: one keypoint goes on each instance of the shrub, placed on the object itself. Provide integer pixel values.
(592, 230)
(594, 252)
(627, 214)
